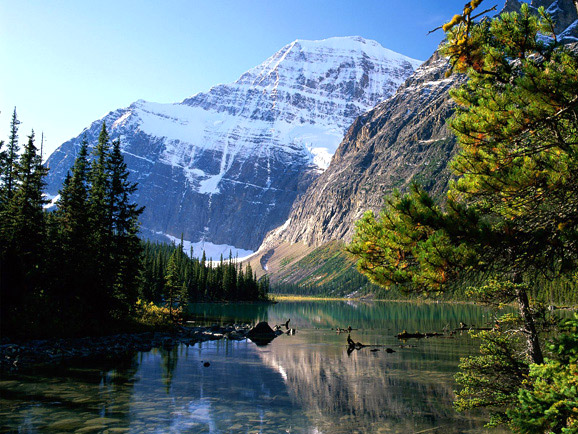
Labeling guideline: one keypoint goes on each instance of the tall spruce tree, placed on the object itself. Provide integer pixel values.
(24, 233)
(25, 208)
(3, 196)
(3, 167)
(8, 159)
(11, 158)
(99, 231)
(101, 245)
(74, 238)
(126, 246)
(513, 212)
(172, 281)
(3, 162)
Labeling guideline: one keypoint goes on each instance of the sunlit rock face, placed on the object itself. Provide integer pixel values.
(402, 140)
(405, 139)
(225, 166)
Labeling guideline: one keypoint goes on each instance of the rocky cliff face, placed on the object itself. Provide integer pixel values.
(225, 166)
(563, 13)
(402, 140)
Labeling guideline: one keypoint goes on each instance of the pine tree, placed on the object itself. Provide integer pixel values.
(512, 214)
(3, 168)
(74, 239)
(241, 285)
(251, 287)
(11, 158)
(204, 277)
(264, 286)
(24, 233)
(229, 279)
(8, 160)
(124, 214)
(551, 404)
(3, 199)
(111, 217)
(25, 207)
(517, 125)
(101, 224)
(172, 282)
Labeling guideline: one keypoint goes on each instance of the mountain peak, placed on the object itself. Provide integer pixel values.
(225, 166)
(352, 44)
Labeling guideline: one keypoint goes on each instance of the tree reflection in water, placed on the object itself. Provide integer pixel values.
(301, 384)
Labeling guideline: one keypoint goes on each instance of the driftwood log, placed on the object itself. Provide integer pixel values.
(352, 346)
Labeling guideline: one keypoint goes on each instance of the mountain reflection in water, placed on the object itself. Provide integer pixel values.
(305, 383)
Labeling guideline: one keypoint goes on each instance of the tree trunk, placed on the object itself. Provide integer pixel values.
(534, 348)
(171, 301)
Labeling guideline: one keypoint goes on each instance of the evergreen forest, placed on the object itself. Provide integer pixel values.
(505, 235)
(80, 267)
(170, 275)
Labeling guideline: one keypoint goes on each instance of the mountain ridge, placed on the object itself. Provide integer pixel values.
(225, 166)
(402, 140)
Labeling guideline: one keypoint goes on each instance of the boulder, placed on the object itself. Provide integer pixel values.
(262, 333)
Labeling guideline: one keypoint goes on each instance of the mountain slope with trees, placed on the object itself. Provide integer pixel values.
(403, 140)
(81, 268)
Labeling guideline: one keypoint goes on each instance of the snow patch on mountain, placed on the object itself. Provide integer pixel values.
(211, 251)
(299, 102)
(52, 201)
(568, 34)
(226, 165)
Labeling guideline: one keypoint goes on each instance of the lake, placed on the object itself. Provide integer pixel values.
(302, 383)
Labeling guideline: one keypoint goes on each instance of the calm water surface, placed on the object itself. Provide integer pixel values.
(306, 383)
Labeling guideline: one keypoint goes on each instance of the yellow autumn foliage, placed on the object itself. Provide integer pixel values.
(152, 315)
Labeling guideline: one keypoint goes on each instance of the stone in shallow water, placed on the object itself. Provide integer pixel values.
(81, 400)
(101, 421)
(119, 408)
(262, 334)
(90, 429)
(246, 414)
(152, 413)
(66, 424)
(191, 426)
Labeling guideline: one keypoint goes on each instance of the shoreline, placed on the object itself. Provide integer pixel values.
(33, 353)
(22, 354)
(289, 297)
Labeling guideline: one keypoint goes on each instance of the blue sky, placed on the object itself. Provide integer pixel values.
(67, 63)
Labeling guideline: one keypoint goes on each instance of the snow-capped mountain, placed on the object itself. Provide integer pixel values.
(402, 140)
(225, 166)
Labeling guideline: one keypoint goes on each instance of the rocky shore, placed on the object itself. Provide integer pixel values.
(21, 355)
